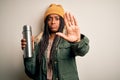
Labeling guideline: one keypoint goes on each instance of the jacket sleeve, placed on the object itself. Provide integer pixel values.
(82, 47)
(30, 64)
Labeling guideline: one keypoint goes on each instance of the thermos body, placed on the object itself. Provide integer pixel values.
(27, 33)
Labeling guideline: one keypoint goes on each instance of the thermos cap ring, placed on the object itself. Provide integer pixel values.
(26, 27)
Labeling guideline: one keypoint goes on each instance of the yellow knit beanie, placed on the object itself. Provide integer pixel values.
(54, 9)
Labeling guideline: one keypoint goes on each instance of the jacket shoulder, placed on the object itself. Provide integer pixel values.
(38, 37)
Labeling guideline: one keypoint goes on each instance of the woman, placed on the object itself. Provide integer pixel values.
(56, 47)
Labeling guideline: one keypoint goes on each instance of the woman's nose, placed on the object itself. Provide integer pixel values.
(53, 20)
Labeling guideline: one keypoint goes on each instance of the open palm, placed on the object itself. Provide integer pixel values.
(72, 29)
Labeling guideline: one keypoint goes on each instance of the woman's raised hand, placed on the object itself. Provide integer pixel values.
(72, 29)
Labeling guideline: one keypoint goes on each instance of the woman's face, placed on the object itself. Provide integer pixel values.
(53, 22)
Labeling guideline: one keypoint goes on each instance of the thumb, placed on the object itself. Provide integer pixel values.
(62, 35)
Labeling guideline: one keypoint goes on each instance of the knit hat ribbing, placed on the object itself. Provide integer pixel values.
(54, 9)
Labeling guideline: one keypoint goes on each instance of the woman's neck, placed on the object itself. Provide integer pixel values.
(52, 36)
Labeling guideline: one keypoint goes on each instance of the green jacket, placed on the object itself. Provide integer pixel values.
(64, 65)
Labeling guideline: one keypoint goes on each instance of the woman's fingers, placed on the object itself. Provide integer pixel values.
(23, 43)
(68, 16)
(66, 20)
(75, 21)
(70, 20)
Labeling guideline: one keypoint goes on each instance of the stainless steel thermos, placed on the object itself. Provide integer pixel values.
(27, 34)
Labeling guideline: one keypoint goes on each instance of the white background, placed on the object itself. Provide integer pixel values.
(99, 20)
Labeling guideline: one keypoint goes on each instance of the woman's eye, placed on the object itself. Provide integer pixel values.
(49, 19)
(57, 18)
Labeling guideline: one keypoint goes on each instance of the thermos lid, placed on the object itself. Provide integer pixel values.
(26, 28)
